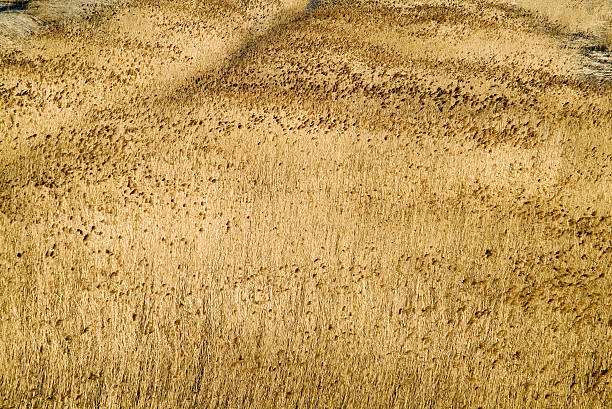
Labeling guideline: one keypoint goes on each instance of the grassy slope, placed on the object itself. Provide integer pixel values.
(590, 17)
(373, 205)
(16, 26)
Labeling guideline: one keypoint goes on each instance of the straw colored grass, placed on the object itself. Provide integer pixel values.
(590, 17)
(17, 26)
(371, 205)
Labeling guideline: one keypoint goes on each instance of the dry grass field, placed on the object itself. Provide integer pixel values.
(244, 204)
(590, 17)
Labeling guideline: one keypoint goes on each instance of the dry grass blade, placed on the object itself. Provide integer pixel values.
(260, 204)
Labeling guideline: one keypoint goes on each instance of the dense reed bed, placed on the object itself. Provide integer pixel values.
(373, 204)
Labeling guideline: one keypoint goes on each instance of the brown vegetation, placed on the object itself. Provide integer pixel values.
(587, 17)
(372, 205)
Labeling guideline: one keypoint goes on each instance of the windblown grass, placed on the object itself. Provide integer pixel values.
(590, 17)
(16, 26)
(371, 205)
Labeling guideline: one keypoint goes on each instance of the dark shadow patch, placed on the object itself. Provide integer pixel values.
(14, 6)
(596, 58)
(313, 4)
(210, 79)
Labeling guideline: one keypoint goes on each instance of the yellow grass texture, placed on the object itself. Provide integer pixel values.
(590, 17)
(372, 205)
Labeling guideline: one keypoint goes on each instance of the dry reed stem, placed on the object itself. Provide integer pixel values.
(372, 205)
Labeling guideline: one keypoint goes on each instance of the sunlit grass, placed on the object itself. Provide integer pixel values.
(364, 206)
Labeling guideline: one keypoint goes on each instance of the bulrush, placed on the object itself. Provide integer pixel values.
(242, 204)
